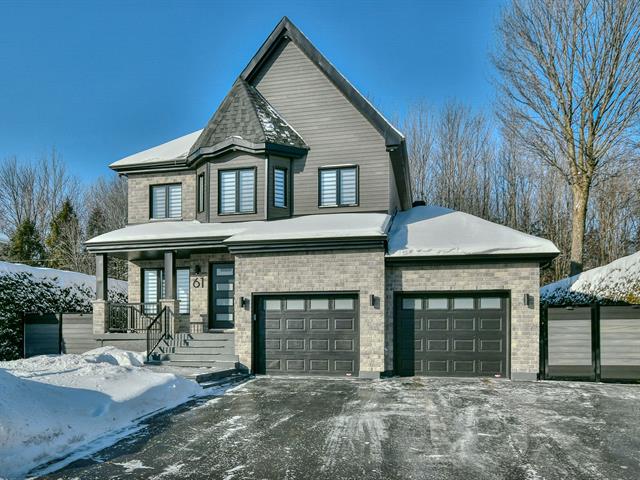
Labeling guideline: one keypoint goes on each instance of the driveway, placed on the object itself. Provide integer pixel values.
(284, 428)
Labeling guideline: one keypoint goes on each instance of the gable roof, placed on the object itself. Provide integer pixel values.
(245, 113)
(286, 30)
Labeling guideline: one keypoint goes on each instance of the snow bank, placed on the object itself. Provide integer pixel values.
(51, 406)
(63, 278)
(176, 149)
(438, 231)
(618, 281)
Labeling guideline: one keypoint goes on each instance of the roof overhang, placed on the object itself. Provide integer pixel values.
(239, 144)
(344, 243)
(541, 258)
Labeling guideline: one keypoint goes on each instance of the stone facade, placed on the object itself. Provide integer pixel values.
(333, 271)
(139, 191)
(517, 278)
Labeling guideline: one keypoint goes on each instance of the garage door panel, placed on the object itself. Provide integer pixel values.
(463, 337)
(307, 335)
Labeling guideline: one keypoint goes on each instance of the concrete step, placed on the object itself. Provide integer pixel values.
(210, 336)
(205, 349)
(192, 342)
(197, 357)
(219, 365)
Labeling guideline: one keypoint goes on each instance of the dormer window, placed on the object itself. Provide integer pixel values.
(338, 186)
(237, 191)
(166, 201)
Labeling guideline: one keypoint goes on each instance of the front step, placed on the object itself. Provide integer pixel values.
(217, 364)
(215, 350)
(202, 357)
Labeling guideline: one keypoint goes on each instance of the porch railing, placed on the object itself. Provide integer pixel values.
(130, 317)
(157, 330)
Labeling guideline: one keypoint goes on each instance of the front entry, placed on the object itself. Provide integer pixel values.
(221, 289)
(308, 335)
(462, 335)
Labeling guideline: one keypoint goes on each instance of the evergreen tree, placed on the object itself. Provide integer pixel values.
(63, 240)
(25, 245)
(96, 224)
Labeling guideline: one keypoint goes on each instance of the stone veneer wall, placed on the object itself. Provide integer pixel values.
(288, 272)
(138, 188)
(518, 278)
(199, 294)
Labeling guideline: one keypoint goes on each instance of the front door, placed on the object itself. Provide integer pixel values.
(221, 288)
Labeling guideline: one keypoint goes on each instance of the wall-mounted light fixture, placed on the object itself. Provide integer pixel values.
(373, 300)
(244, 302)
(196, 269)
(529, 300)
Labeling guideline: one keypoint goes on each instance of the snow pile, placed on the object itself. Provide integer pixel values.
(176, 149)
(63, 278)
(438, 231)
(53, 406)
(618, 281)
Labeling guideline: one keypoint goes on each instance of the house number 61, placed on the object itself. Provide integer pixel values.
(197, 283)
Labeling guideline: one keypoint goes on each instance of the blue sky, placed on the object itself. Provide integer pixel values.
(102, 80)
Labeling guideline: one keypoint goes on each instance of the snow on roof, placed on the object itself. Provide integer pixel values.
(63, 278)
(170, 231)
(438, 231)
(306, 227)
(176, 149)
(618, 281)
(335, 225)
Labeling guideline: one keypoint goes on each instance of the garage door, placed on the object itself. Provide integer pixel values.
(453, 335)
(308, 335)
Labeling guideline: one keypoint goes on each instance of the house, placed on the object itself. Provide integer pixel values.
(285, 228)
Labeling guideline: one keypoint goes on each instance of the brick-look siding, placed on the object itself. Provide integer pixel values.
(138, 188)
(361, 271)
(517, 278)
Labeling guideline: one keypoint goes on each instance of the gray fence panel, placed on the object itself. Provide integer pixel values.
(619, 343)
(77, 333)
(569, 343)
(41, 334)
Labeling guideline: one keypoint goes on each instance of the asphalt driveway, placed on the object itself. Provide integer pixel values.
(279, 428)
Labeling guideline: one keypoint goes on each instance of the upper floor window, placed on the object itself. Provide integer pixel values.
(338, 187)
(280, 187)
(166, 201)
(201, 192)
(237, 191)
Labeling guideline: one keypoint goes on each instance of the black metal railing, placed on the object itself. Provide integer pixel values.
(157, 330)
(130, 317)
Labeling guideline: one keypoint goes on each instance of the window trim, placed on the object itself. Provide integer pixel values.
(255, 191)
(201, 192)
(338, 185)
(286, 187)
(166, 204)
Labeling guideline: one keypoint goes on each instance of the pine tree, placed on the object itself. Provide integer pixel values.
(63, 241)
(25, 245)
(96, 223)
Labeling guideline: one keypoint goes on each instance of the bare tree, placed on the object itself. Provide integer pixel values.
(418, 127)
(570, 90)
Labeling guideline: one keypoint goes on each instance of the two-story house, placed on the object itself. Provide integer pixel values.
(286, 228)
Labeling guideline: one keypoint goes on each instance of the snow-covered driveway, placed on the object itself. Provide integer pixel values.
(388, 429)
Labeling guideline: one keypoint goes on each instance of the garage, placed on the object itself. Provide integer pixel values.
(462, 334)
(307, 335)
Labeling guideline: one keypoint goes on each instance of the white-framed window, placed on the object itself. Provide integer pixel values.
(237, 191)
(338, 187)
(166, 201)
(280, 187)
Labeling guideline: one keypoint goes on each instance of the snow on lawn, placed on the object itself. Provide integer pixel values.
(64, 278)
(618, 281)
(52, 406)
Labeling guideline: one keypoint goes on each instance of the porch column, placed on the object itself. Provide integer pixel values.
(100, 303)
(102, 276)
(170, 301)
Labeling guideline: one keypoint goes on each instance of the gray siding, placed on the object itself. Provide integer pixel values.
(335, 131)
(274, 212)
(237, 160)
